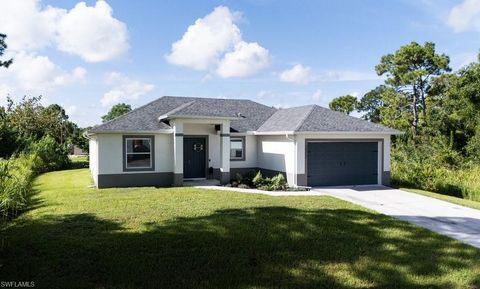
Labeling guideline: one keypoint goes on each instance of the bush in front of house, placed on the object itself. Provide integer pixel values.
(252, 179)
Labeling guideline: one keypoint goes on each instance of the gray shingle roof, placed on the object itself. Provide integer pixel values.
(314, 118)
(288, 119)
(247, 116)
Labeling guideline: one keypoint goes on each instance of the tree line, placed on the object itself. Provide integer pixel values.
(439, 112)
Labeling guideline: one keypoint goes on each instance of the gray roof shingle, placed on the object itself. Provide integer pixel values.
(314, 118)
(247, 116)
(322, 119)
(288, 119)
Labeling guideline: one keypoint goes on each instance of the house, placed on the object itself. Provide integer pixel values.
(77, 151)
(173, 139)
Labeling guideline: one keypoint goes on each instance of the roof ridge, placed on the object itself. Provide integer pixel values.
(178, 108)
(213, 98)
(306, 116)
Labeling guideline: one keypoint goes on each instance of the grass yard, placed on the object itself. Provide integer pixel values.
(451, 199)
(79, 237)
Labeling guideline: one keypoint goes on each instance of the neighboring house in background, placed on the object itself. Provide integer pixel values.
(77, 151)
(173, 139)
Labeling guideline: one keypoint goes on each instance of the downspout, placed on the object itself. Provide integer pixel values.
(294, 158)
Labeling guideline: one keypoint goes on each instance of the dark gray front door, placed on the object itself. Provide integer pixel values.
(194, 157)
(342, 163)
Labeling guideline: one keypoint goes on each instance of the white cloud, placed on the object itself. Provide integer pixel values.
(5, 91)
(297, 74)
(354, 93)
(71, 110)
(124, 89)
(461, 60)
(317, 95)
(465, 16)
(265, 94)
(246, 60)
(90, 32)
(215, 42)
(205, 41)
(345, 75)
(33, 73)
(27, 25)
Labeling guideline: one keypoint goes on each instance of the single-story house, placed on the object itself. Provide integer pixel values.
(173, 139)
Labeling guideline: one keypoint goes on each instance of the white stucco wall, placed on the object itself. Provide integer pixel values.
(250, 153)
(93, 159)
(110, 153)
(277, 153)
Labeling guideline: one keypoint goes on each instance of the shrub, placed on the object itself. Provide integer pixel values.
(16, 176)
(278, 182)
(51, 155)
(243, 186)
(246, 178)
(258, 180)
(433, 166)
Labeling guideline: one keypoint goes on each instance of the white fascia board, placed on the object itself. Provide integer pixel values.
(163, 131)
(162, 117)
(326, 132)
(273, 132)
(242, 133)
(349, 132)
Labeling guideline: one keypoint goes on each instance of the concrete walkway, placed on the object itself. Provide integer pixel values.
(268, 193)
(446, 218)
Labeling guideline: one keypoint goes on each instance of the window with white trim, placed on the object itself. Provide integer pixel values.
(138, 153)
(237, 148)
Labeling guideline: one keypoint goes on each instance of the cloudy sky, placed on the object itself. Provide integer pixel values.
(89, 55)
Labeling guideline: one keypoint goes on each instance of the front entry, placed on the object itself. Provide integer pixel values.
(194, 157)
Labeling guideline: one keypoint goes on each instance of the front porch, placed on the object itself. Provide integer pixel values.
(201, 150)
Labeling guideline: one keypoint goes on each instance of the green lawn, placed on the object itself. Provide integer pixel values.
(79, 237)
(451, 199)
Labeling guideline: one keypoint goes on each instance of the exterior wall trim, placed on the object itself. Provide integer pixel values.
(151, 179)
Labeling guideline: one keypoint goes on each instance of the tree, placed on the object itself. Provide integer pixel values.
(345, 104)
(3, 46)
(371, 103)
(27, 122)
(455, 103)
(410, 70)
(116, 111)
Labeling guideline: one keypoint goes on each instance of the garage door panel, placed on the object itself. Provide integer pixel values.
(342, 163)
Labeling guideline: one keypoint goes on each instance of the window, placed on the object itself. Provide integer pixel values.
(237, 148)
(138, 153)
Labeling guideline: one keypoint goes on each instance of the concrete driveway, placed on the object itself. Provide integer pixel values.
(452, 220)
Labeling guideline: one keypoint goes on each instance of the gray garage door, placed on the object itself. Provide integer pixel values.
(342, 163)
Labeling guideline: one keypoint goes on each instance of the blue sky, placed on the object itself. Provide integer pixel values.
(88, 56)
